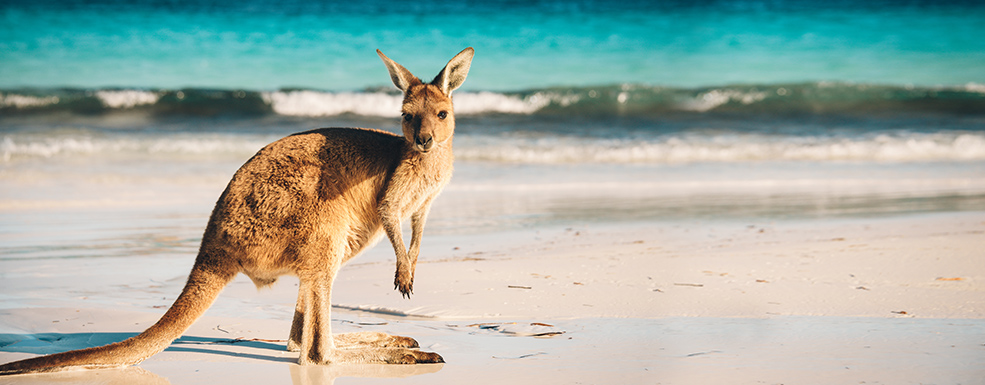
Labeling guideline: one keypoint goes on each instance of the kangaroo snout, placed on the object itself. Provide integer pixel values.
(423, 143)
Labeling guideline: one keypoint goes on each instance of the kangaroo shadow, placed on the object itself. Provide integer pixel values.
(50, 343)
(219, 346)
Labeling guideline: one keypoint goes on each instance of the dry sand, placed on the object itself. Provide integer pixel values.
(892, 300)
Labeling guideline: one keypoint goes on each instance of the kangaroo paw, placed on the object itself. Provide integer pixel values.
(404, 282)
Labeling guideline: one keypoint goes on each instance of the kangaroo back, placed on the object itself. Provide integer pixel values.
(201, 290)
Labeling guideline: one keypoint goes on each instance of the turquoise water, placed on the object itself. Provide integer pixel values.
(265, 45)
(572, 111)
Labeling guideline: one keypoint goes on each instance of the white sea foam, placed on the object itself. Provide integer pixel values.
(22, 101)
(12, 148)
(975, 87)
(749, 148)
(489, 102)
(684, 148)
(315, 103)
(127, 98)
(714, 98)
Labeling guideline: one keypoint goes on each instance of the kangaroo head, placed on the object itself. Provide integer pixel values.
(428, 116)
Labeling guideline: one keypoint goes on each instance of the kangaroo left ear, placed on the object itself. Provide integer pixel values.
(453, 75)
(401, 77)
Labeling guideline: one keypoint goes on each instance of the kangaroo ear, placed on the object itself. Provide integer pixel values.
(402, 78)
(453, 75)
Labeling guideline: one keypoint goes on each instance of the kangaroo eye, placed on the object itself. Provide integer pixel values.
(442, 114)
(408, 117)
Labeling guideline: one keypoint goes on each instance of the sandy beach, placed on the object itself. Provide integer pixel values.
(850, 300)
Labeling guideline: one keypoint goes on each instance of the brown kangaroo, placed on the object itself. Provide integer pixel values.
(305, 205)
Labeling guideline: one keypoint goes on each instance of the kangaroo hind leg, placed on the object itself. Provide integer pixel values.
(317, 345)
(297, 325)
(311, 331)
(347, 340)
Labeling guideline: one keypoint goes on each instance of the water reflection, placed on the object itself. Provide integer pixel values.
(326, 375)
(122, 376)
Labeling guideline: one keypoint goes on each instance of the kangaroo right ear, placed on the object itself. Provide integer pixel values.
(402, 78)
(453, 75)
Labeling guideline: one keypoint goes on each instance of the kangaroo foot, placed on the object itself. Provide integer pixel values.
(373, 339)
(411, 356)
(399, 356)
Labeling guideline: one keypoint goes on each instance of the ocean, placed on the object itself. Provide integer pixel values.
(521, 45)
(121, 121)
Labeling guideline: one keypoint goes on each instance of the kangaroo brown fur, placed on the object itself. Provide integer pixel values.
(306, 205)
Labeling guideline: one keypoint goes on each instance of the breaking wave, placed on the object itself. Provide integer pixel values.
(615, 100)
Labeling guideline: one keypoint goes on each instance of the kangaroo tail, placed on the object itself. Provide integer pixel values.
(201, 290)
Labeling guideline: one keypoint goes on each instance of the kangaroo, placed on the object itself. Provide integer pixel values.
(305, 205)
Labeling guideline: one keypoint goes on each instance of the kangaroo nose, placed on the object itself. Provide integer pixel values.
(424, 144)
